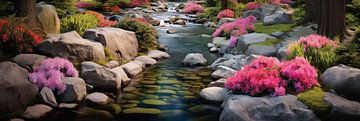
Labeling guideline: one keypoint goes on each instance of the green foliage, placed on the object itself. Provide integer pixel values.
(349, 53)
(269, 42)
(314, 100)
(212, 3)
(145, 34)
(78, 22)
(299, 14)
(321, 58)
(115, 2)
(261, 28)
(6, 7)
(63, 7)
(352, 17)
(238, 8)
(210, 13)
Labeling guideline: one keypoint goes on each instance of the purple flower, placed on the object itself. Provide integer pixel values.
(233, 41)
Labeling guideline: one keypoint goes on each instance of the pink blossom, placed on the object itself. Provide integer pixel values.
(275, 2)
(286, 1)
(232, 42)
(84, 5)
(252, 6)
(227, 13)
(279, 91)
(192, 8)
(316, 41)
(51, 72)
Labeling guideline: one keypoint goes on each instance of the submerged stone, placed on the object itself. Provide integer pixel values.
(147, 82)
(172, 113)
(152, 87)
(204, 73)
(154, 102)
(166, 91)
(192, 78)
(133, 101)
(129, 96)
(129, 89)
(150, 96)
(138, 110)
(167, 81)
(129, 105)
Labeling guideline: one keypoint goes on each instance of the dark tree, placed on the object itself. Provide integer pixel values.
(312, 11)
(26, 8)
(224, 4)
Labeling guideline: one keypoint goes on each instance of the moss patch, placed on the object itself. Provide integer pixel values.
(261, 28)
(269, 42)
(314, 99)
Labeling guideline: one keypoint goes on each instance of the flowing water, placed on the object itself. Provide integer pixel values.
(168, 87)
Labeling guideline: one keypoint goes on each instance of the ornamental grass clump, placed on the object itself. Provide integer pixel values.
(16, 37)
(193, 8)
(235, 29)
(266, 75)
(78, 22)
(51, 72)
(320, 51)
(226, 14)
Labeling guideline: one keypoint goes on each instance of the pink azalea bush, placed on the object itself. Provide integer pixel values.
(235, 29)
(137, 3)
(84, 5)
(252, 6)
(193, 8)
(268, 75)
(286, 1)
(51, 72)
(226, 14)
(316, 41)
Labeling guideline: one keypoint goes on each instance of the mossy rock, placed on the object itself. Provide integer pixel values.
(197, 109)
(167, 82)
(261, 28)
(138, 110)
(113, 108)
(152, 87)
(204, 73)
(269, 42)
(150, 96)
(314, 99)
(162, 78)
(129, 89)
(129, 96)
(131, 105)
(154, 102)
(166, 91)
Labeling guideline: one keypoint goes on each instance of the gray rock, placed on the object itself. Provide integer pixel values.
(72, 46)
(36, 111)
(217, 83)
(121, 43)
(260, 13)
(48, 96)
(213, 94)
(257, 13)
(277, 34)
(158, 55)
(112, 64)
(121, 75)
(213, 49)
(180, 22)
(282, 108)
(282, 53)
(29, 61)
(261, 50)
(246, 40)
(75, 90)
(171, 31)
(97, 98)
(115, 18)
(343, 79)
(226, 20)
(341, 108)
(194, 59)
(43, 13)
(99, 76)
(223, 72)
(217, 62)
(132, 68)
(68, 105)
(210, 45)
(16, 91)
(279, 17)
(146, 59)
(250, 58)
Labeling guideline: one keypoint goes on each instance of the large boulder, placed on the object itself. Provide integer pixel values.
(72, 46)
(48, 18)
(132, 68)
(341, 108)
(97, 98)
(213, 94)
(260, 13)
(261, 50)
(282, 108)
(158, 55)
(194, 59)
(122, 44)
(146, 59)
(217, 83)
(75, 89)
(279, 17)
(121, 75)
(99, 76)
(16, 91)
(246, 40)
(223, 72)
(28, 61)
(343, 79)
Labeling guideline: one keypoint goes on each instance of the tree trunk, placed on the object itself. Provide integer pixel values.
(26, 8)
(312, 11)
(224, 4)
(332, 21)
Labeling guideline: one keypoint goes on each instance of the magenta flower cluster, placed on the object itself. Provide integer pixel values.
(192, 8)
(286, 1)
(252, 6)
(84, 5)
(227, 13)
(268, 75)
(51, 72)
(316, 41)
(235, 29)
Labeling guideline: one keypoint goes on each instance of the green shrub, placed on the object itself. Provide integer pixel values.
(352, 17)
(261, 28)
(212, 3)
(314, 100)
(115, 2)
(238, 8)
(210, 13)
(78, 22)
(145, 34)
(63, 7)
(349, 53)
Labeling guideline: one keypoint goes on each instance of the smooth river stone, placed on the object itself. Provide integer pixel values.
(154, 102)
(129, 96)
(138, 110)
(147, 82)
(166, 91)
(152, 87)
(129, 105)
(167, 81)
(150, 96)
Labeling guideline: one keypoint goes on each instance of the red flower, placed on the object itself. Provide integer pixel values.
(5, 37)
